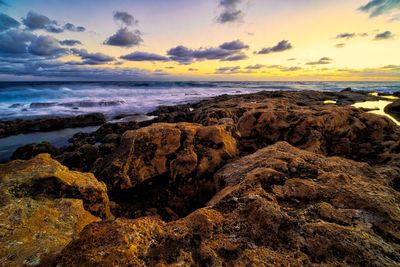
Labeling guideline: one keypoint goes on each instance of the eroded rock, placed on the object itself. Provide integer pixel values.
(43, 206)
(278, 206)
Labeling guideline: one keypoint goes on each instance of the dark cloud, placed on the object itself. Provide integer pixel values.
(382, 7)
(230, 11)
(125, 18)
(384, 35)
(7, 22)
(181, 54)
(341, 45)
(255, 67)
(71, 27)
(281, 46)
(193, 69)
(143, 56)
(228, 70)
(292, 69)
(15, 41)
(234, 45)
(229, 51)
(321, 61)
(236, 57)
(91, 58)
(125, 38)
(345, 35)
(35, 21)
(46, 45)
(70, 42)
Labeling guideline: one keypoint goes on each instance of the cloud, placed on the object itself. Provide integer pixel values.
(228, 70)
(234, 45)
(281, 46)
(346, 35)
(237, 57)
(193, 69)
(46, 45)
(67, 71)
(255, 67)
(125, 18)
(70, 42)
(181, 54)
(125, 38)
(15, 41)
(91, 58)
(321, 61)
(341, 45)
(144, 56)
(71, 27)
(392, 67)
(377, 8)
(7, 22)
(35, 21)
(384, 35)
(228, 51)
(230, 11)
(2, 3)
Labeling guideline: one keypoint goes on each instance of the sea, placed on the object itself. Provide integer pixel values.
(42, 99)
(30, 100)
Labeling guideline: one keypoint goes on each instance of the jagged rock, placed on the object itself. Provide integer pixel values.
(43, 206)
(178, 151)
(329, 130)
(81, 159)
(279, 206)
(394, 109)
(29, 151)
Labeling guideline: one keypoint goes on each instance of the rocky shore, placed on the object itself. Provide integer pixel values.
(265, 179)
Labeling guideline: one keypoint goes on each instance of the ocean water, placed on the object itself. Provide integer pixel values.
(41, 99)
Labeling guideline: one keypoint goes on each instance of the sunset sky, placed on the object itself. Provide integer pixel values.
(200, 40)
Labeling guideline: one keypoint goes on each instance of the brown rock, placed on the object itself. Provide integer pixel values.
(29, 151)
(178, 151)
(45, 177)
(43, 206)
(394, 109)
(280, 206)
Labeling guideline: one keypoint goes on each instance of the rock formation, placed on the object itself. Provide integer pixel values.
(43, 206)
(279, 206)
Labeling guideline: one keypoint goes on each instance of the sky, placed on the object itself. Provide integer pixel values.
(215, 40)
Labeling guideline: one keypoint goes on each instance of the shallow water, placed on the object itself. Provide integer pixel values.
(58, 138)
(377, 107)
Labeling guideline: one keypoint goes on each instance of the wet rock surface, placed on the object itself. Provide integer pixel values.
(31, 150)
(20, 126)
(279, 206)
(394, 109)
(43, 206)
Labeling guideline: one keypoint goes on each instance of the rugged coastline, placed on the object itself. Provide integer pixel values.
(273, 178)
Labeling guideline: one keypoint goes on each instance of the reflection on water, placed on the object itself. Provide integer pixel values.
(377, 107)
(58, 138)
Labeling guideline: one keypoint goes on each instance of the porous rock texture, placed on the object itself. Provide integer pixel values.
(43, 206)
(280, 206)
(177, 150)
(168, 165)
